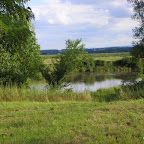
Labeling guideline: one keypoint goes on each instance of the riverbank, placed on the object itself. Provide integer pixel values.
(72, 122)
(129, 92)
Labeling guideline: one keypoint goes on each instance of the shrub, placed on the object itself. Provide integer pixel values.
(99, 62)
(127, 62)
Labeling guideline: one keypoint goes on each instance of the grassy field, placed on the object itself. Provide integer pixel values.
(109, 56)
(72, 122)
(48, 58)
(102, 56)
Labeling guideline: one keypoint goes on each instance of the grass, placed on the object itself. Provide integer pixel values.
(101, 56)
(48, 58)
(41, 116)
(109, 56)
(72, 122)
(14, 93)
(41, 95)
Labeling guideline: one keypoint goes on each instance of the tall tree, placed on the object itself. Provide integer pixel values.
(138, 50)
(19, 51)
(67, 62)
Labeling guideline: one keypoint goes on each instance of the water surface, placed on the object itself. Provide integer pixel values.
(93, 82)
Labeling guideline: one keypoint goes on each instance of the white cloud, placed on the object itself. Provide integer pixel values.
(100, 23)
(56, 12)
(37, 13)
(51, 1)
(121, 40)
(118, 3)
(51, 21)
(118, 40)
(123, 24)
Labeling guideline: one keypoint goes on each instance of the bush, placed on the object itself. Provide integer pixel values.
(99, 62)
(127, 62)
(106, 95)
(87, 65)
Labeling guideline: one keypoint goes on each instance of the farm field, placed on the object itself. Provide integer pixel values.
(72, 122)
(101, 56)
(109, 56)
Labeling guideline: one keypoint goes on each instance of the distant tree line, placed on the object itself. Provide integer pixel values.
(92, 50)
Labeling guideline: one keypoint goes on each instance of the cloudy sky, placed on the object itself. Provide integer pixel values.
(100, 23)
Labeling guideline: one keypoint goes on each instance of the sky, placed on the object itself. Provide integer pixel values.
(99, 23)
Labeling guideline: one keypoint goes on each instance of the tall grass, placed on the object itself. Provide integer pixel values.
(133, 91)
(14, 93)
(41, 95)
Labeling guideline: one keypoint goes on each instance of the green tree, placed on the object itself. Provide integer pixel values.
(138, 50)
(19, 51)
(67, 62)
(87, 64)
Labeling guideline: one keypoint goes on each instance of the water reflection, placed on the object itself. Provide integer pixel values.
(93, 82)
(80, 87)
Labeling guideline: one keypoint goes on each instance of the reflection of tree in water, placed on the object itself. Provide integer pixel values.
(92, 77)
(126, 77)
(86, 78)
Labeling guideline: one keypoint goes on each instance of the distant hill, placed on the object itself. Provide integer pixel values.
(92, 50)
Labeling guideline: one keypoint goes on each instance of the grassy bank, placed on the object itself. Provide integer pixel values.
(41, 95)
(135, 91)
(72, 122)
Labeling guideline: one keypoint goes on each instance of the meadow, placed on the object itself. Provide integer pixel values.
(109, 56)
(72, 122)
(96, 56)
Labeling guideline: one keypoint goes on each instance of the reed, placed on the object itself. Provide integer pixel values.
(135, 91)
(41, 95)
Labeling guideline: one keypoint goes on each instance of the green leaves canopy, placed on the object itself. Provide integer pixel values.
(67, 62)
(138, 50)
(19, 52)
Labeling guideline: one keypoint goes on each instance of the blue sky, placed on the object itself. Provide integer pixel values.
(100, 23)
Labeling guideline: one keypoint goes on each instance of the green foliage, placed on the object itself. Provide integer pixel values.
(67, 62)
(19, 52)
(107, 95)
(132, 91)
(86, 64)
(99, 62)
(127, 62)
(138, 50)
(14, 20)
